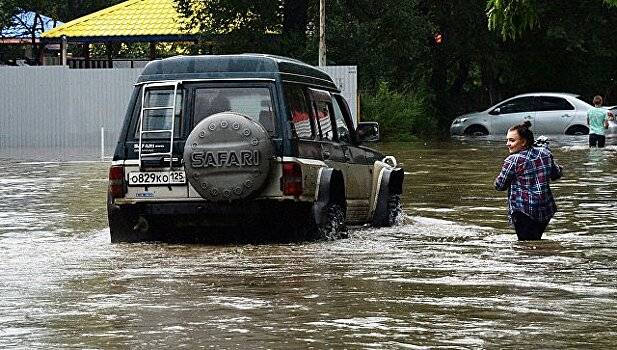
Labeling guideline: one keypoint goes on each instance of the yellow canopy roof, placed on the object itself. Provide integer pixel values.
(133, 18)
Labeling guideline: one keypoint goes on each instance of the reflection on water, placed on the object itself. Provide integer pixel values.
(451, 275)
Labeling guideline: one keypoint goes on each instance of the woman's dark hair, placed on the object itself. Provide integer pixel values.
(524, 132)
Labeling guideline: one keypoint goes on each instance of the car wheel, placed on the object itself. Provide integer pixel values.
(476, 130)
(577, 130)
(333, 227)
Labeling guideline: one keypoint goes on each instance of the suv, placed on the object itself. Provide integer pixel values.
(244, 141)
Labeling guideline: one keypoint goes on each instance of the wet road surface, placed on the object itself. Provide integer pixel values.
(451, 275)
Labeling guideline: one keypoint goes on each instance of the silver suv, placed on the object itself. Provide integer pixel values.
(222, 147)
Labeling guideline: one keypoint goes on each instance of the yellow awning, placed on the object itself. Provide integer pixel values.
(133, 18)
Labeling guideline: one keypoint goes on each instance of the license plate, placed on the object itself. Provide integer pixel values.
(157, 178)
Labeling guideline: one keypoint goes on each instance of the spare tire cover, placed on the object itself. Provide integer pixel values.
(227, 157)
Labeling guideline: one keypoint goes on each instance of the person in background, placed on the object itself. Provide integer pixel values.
(526, 174)
(597, 120)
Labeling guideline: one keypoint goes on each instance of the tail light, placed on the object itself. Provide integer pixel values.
(291, 182)
(116, 181)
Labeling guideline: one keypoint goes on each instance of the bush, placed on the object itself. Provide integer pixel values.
(401, 116)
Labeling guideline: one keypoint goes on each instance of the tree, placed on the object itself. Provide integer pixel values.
(513, 17)
(572, 53)
(260, 26)
(71, 9)
(7, 9)
(12, 15)
(392, 43)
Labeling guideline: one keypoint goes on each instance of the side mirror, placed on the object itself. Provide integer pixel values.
(368, 131)
(495, 111)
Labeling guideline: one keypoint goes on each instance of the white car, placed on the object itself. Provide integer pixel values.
(549, 113)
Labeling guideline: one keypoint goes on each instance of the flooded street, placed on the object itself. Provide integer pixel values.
(452, 275)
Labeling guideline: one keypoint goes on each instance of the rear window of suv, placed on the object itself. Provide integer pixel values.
(254, 102)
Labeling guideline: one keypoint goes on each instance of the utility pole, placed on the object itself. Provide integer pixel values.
(322, 33)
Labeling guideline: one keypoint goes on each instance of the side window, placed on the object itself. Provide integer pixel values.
(518, 105)
(298, 107)
(323, 119)
(157, 113)
(549, 103)
(342, 130)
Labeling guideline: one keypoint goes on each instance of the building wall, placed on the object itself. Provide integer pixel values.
(54, 106)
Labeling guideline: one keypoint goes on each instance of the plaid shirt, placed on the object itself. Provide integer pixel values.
(527, 174)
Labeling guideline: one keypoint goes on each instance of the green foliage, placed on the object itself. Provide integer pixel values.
(387, 39)
(399, 114)
(391, 42)
(7, 9)
(511, 17)
(71, 9)
(267, 26)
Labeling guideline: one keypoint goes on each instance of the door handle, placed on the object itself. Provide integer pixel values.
(348, 156)
(527, 117)
(566, 116)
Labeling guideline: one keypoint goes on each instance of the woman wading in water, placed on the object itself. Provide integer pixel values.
(526, 174)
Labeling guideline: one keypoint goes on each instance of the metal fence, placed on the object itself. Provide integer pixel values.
(54, 106)
(62, 107)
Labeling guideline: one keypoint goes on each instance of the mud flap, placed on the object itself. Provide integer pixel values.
(331, 190)
(127, 225)
(391, 184)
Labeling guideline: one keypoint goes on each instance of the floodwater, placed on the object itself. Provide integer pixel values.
(451, 275)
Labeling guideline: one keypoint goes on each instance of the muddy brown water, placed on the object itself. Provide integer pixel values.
(451, 275)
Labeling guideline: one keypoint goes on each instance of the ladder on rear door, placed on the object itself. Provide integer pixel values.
(144, 108)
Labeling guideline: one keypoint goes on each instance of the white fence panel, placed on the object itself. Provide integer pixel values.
(61, 107)
(346, 78)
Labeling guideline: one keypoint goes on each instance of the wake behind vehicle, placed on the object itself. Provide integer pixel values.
(549, 113)
(239, 142)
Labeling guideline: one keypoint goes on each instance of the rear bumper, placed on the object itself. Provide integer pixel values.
(212, 213)
(250, 222)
